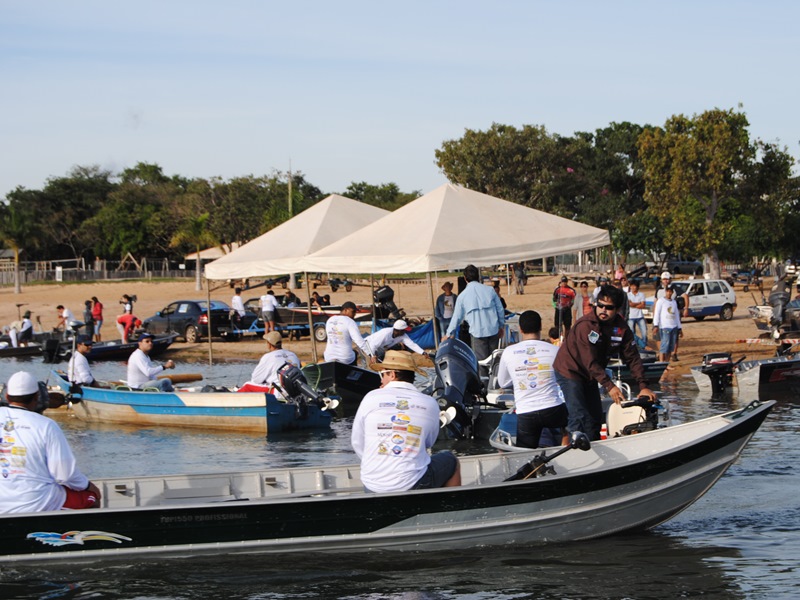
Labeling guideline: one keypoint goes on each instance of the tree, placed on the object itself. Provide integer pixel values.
(387, 195)
(195, 233)
(17, 227)
(693, 168)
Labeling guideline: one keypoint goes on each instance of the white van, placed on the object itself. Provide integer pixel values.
(707, 298)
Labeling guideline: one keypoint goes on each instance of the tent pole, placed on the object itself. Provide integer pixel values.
(310, 317)
(208, 316)
(372, 292)
(433, 309)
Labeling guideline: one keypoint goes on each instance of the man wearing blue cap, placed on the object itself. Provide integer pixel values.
(142, 371)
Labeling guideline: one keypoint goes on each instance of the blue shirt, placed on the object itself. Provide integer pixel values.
(480, 306)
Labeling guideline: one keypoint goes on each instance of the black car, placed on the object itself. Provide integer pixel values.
(189, 319)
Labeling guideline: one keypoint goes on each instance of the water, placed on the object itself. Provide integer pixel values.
(739, 541)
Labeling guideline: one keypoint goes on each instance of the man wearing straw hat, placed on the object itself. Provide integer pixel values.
(393, 430)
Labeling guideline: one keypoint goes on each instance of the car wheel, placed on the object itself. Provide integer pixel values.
(320, 334)
(191, 335)
(348, 287)
(334, 287)
(726, 314)
(699, 317)
(746, 288)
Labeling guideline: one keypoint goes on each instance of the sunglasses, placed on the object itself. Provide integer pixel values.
(608, 307)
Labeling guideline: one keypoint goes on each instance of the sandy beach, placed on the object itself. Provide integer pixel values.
(711, 335)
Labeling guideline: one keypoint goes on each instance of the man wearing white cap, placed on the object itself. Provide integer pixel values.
(78, 369)
(39, 471)
(142, 371)
(266, 372)
(388, 337)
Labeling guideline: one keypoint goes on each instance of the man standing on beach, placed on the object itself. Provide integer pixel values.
(445, 304)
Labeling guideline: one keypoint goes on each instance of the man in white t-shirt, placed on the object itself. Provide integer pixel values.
(39, 472)
(527, 366)
(636, 322)
(237, 303)
(383, 339)
(342, 334)
(269, 304)
(266, 372)
(142, 371)
(393, 430)
(78, 369)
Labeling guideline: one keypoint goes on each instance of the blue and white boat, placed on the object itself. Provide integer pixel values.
(256, 412)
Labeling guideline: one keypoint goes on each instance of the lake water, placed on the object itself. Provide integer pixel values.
(739, 541)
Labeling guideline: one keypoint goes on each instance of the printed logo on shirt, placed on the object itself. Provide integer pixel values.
(397, 439)
(397, 450)
(594, 337)
(386, 405)
(402, 404)
(382, 449)
(416, 430)
(384, 425)
(401, 419)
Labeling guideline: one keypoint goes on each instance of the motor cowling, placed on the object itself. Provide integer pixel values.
(458, 384)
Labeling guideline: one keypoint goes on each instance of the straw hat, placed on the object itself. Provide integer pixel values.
(397, 360)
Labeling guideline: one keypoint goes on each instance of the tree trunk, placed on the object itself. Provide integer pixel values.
(17, 284)
(714, 266)
(198, 280)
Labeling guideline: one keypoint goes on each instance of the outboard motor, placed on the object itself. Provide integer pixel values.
(779, 297)
(384, 301)
(719, 367)
(458, 384)
(296, 389)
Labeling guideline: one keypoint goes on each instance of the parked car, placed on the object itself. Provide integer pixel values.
(189, 319)
(707, 297)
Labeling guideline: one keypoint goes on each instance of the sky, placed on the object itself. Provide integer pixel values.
(367, 91)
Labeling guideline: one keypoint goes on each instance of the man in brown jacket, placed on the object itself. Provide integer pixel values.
(580, 364)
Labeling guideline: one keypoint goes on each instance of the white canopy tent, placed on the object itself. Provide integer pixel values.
(449, 228)
(211, 253)
(283, 249)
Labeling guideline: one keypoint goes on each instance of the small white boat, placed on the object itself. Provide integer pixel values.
(627, 483)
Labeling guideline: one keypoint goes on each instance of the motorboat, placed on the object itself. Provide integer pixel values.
(578, 492)
(117, 349)
(206, 408)
(719, 372)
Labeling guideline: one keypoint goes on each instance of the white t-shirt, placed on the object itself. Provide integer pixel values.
(266, 372)
(35, 463)
(238, 304)
(342, 333)
(635, 313)
(78, 369)
(449, 303)
(383, 338)
(392, 431)
(141, 369)
(269, 303)
(666, 314)
(528, 367)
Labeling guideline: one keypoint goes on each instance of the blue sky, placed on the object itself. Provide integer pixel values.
(367, 91)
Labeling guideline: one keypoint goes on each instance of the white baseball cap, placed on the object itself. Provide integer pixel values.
(401, 325)
(666, 275)
(21, 383)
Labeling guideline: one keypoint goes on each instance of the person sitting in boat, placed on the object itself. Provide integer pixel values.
(265, 376)
(553, 336)
(581, 362)
(43, 475)
(142, 371)
(78, 370)
(527, 367)
(389, 337)
(25, 335)
(393, 430)
(290, 299)
(342, 334)
(269, 304)
(316, 300)
(126, 325)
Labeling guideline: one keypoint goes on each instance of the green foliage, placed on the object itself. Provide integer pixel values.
(387, 195)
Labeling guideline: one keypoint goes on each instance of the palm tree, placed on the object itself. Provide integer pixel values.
(194, 232)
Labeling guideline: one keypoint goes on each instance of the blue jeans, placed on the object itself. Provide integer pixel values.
(640, 335)
(669, 337)
(441, 468)
(164, 385)
(530, 425)
(584, 408)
